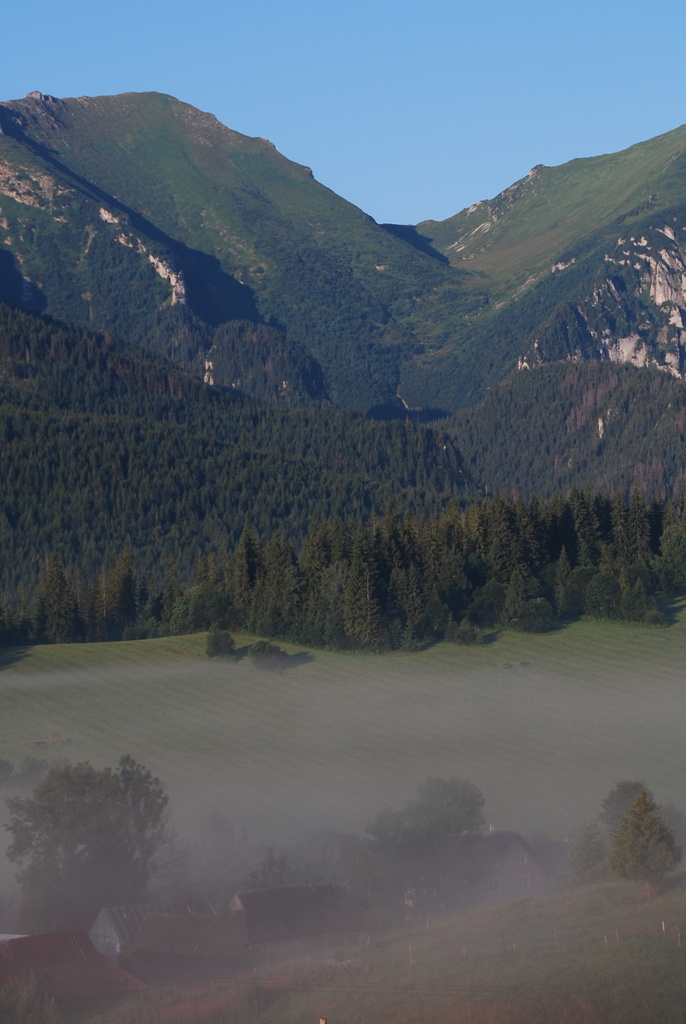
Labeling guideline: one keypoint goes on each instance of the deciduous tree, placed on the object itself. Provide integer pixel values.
(86, 838)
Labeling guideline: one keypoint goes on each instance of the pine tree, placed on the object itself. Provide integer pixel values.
(516, 597)
(171, 589)
(563, 597)
(362, 612)
(55, 605)
(644, 849)
(278, 594)
(586, 528)
(638, 528)
(245, 569)
(121, 587)
(330, 618)
(621, 534)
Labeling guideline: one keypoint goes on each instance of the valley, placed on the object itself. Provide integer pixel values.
(543, 724)
(441, 465)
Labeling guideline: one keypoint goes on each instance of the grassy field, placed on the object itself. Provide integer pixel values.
(599, 955)
(543, 724)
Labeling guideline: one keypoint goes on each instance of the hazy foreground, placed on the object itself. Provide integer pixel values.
(543, 724)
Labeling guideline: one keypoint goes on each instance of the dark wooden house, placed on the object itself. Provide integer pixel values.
(165, 948)
(502, 866)
(288, 921)
(260, 926)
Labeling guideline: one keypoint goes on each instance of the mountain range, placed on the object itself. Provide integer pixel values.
(544, 328)
(141, 215)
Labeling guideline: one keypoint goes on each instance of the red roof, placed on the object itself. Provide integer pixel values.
(66, 966)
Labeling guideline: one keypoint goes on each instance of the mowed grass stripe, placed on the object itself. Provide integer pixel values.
(544, 724)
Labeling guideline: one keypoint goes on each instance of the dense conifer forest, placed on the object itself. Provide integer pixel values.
(599, 425)
(105, 447)
(394, 581)
(138, 501)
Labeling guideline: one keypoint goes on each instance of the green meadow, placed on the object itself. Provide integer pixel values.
(601, 954)
(598, 955)
(543, 724)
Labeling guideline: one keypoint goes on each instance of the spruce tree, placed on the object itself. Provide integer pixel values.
(122, 594)
(362, 614)
(55, 605)
(245, 569)
(644, 849)
(278, 594)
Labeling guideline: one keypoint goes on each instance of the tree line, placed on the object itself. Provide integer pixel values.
(385, 582)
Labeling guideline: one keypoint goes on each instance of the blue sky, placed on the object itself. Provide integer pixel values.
(409, 110)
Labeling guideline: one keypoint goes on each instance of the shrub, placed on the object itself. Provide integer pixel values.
(6, 771)
(268, 656)
(468, 633)
(536, 616)
(21, 1002)
(220, 643)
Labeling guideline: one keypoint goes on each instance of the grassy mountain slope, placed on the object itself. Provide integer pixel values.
(543, 218)
(141, 215)
(253, 235)
(583, 261)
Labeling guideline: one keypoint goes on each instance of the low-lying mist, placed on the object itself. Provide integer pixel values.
(542, 725)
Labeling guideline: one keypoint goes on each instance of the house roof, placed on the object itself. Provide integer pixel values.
(123, 921)
(494, 844)
(169, 933)
(126, 921)
(262, 916)
(496, 841)
(65, 964)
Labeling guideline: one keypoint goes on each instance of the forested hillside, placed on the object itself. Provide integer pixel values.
(598, 425)
(102, 448)
(186, 314)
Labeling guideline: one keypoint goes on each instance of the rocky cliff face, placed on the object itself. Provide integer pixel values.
(636, 312)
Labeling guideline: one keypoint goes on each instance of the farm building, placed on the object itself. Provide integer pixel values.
(115, 926)
(65, 965)
(258, 927)
(488, 867)
(165, 948)
(288, 921)
(502, 866)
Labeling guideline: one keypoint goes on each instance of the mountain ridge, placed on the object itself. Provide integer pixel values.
(141, 215)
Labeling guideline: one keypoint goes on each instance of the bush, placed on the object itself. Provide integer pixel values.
(22, 1002)
(268, 656)
(220, 643)
(654, 617)
(468, 633)
(536, 616)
